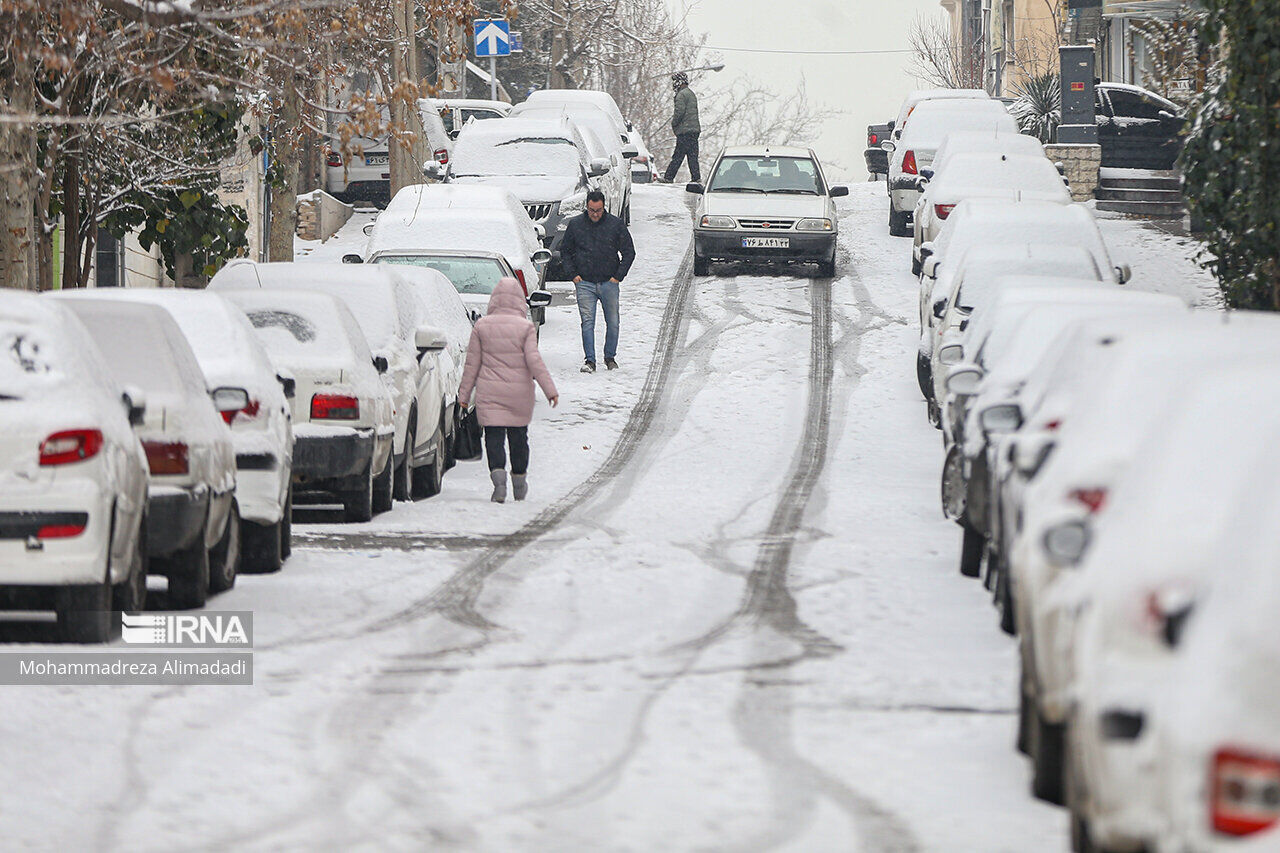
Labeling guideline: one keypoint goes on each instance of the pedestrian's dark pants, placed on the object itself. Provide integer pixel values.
(686, 146)
(518, 438)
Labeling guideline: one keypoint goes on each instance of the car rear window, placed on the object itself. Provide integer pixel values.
(29, 359)
(480, 156)
(136, 353)
(468, 275)
(790, 175)
(297, 335)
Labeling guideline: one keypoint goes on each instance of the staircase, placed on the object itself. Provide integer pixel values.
(1149, 194)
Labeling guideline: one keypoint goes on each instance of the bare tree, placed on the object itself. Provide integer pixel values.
(941, 59)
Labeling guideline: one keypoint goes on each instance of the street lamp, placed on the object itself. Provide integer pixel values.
(719, 67)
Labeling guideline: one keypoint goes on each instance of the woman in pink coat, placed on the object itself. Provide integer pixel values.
(502, 364)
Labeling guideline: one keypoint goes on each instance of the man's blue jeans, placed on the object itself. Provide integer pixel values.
(606, 293)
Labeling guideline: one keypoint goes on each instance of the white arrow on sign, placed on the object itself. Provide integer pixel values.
(491, 36)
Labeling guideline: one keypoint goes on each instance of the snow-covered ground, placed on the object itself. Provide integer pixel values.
(728, 618)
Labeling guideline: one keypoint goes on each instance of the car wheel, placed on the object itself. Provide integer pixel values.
(1023, 742)
(916, 266)
(935, 414)
(286, 526)
(429, 479)
(827, 269)
(924, 375)
(899, 223)
(626, 214)
(224, 559)
(188, 574)
(971, 551)
(701, 265)
(131, 593)
(450, 458)
(1004, 597)
(1047, 744)
(262, 545)
(357, 505)
(84, 613)
(382, 486)
(401, 487)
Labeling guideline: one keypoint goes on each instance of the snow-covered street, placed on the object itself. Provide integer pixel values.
(729, 616)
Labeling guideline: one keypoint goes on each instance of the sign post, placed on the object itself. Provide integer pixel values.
(493, 39)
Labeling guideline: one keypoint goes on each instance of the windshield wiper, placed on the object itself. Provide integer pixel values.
(794, 192)
(736, 190)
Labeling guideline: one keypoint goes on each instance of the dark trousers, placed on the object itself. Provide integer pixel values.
(686, 146)
(517, 437)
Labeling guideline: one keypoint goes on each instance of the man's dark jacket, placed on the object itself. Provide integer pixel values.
(597, 251)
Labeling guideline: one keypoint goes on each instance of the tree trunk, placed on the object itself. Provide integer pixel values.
(287, 152)
(71, 224)
(18, 235)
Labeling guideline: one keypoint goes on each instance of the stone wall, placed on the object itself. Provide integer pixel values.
(320, 215)
(1082, 163)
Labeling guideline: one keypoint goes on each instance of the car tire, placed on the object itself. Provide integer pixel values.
(357, 505)
(450, 457)
(224, 558)
(1047, 743)
(131, 593)
(286, 526)
(971, 547)
(188, 574)
(382, 486)
(701, 265)
(827, 269)
(84, 613)
(899, 223)
(1023, 741)
(402, 487)
(428, 480)
(916, 266)
(924, 375)
(1004, 597)
(626, 213)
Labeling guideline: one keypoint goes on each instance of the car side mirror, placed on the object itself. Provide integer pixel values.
(539, 299)
(630, 152)
(598, 168)
(927, 174)
(540, 230)
(352, 259)
(541, 257)
(926, 251)
(453, 134)
(838, 192)
(433, 169)
(1067, 542)
(888, 145)
(289, 385)
(135, 404)
(963, 380)
(922, 184)
(939, 309)
(368, 229)
(1172, 607)
(228, 399)
(381, 364)
(1124, 274)
(430, 339)
(951, 354)
(695, 188)
(1001, 418)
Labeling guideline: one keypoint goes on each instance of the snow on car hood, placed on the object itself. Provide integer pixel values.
(528, 188)
(764, 206)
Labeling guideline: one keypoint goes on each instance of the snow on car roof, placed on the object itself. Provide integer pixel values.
(986, 270)
(1001, 142)
(38, 346)
(518, 146)
(491, 230)
(978, 173)
(602, 100)
(588, 118)
(303, 328)
(768, 151)
(467, 196)
(978, 220)
(933, 120)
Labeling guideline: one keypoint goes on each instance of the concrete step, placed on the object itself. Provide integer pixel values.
(1148, 209)
(1153, 183)
(1106, 193)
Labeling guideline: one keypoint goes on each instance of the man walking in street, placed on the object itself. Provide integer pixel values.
(597, 253)
(685, 125)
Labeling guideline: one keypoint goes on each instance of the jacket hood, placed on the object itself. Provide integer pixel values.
(507, 298)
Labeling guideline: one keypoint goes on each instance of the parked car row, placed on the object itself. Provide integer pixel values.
(1111, 458)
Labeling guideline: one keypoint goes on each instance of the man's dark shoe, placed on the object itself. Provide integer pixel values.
(611, 364)
(588, 367)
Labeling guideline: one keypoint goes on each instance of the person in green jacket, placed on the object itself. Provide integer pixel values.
(684, 123)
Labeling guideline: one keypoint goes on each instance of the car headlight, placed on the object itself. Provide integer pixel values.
(722, 222)
(814, 225)
(573, 205)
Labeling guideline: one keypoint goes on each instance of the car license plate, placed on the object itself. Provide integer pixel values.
(766, 242)
(375, 160)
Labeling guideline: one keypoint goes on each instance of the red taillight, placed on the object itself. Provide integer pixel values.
(248, 413)
(59, 531)
(909, 164)
(1244, 792)
(166, 457)
(1052, 426)
(872, 140)
(334, 160)
(943, 210)
(523, 286)
(442, 156)
(73, 445)
(1093, 499)
(335, 407)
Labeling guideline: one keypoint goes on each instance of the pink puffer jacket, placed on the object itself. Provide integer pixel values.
(503, 361)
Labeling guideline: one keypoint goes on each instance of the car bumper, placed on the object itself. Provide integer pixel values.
(728, 245)
(903, 196)
(175, 517)
(877, 160)
(26, 559)
(324, 462)
(261, 483)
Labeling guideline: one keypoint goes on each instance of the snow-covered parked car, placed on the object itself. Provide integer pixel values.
(230, 355)
(922, 134)
(73, 476)
(343, 427)
(456, 112)
(405, 348)
(644, 167)
(977, 142)
(982, 175)
(545, 164)
(193, 524)
(919, 96)
(766, 203)
(603, 101)
(364, 175)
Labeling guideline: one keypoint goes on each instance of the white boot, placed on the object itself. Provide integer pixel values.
(519, 486)
(499, 479)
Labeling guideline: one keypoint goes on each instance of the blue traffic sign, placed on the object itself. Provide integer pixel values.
(493, 38)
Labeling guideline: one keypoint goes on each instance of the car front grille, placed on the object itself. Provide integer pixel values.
(538, 212)
(767, 224)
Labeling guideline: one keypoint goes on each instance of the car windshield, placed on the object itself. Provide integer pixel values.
(468, 275)
(526, 155)
(792, 175)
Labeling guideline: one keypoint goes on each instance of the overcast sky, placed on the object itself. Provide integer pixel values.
(867, 89)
